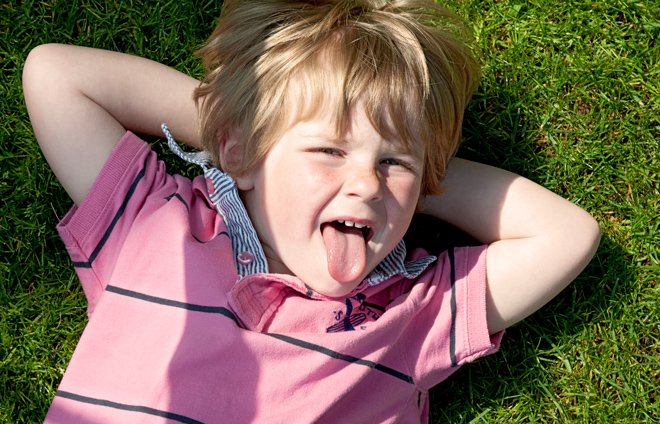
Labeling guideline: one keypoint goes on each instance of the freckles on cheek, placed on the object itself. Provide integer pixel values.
(318, 177)
(325, 176)
(405, 192)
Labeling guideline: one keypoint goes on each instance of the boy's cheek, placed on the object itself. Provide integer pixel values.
(407, 193)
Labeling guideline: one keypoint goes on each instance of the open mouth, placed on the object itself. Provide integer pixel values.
(343, 226)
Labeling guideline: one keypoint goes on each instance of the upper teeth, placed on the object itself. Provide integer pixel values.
(351, 224)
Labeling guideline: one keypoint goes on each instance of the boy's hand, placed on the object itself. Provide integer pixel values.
(538, 241)
(81, 101)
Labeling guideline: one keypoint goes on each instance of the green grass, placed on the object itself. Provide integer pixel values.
(569, 99)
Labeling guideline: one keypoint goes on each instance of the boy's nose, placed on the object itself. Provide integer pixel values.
(365, 183)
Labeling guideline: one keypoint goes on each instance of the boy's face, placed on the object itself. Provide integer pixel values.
(313, 179)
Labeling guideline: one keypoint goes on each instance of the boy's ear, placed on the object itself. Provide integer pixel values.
(230, 153)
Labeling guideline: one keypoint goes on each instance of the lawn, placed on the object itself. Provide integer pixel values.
(569, 99)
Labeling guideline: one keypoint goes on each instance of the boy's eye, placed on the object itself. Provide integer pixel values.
(328, 151)
(392, 162)
(397, 162)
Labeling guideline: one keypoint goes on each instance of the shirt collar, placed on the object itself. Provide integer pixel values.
(249, 257)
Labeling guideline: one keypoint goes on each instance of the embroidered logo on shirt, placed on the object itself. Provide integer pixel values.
(351, 319)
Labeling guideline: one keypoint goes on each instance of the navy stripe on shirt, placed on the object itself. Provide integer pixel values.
(124, 407)
(452, 331)
(111, 227)
(167, 302)
(343, 357)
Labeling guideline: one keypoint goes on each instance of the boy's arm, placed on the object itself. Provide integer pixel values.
(538, 241)
(81, 101)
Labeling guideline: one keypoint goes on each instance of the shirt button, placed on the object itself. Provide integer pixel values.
(245, 258)
(209, 186)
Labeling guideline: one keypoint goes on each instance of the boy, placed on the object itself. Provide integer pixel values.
(283, 293)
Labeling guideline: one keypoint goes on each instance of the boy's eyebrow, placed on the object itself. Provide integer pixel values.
(323, 137)
(398, 147)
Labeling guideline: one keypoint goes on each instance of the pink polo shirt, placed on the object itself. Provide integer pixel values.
(175, 335)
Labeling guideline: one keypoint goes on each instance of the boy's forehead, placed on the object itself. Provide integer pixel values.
(321, 93)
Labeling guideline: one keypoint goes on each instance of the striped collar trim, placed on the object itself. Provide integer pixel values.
(250, 258)
(395, 264)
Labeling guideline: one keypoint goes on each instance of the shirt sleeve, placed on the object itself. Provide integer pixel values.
(450, 326)
(94, 232)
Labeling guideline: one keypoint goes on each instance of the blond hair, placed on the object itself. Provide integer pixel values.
(400, 58)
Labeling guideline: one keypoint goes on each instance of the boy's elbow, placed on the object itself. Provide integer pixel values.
(34, 61)
(46, 64)
(586, 236)
(35, 70)
(30, 69)
(592, 233)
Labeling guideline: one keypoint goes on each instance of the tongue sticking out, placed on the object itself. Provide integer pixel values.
(346, 250)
